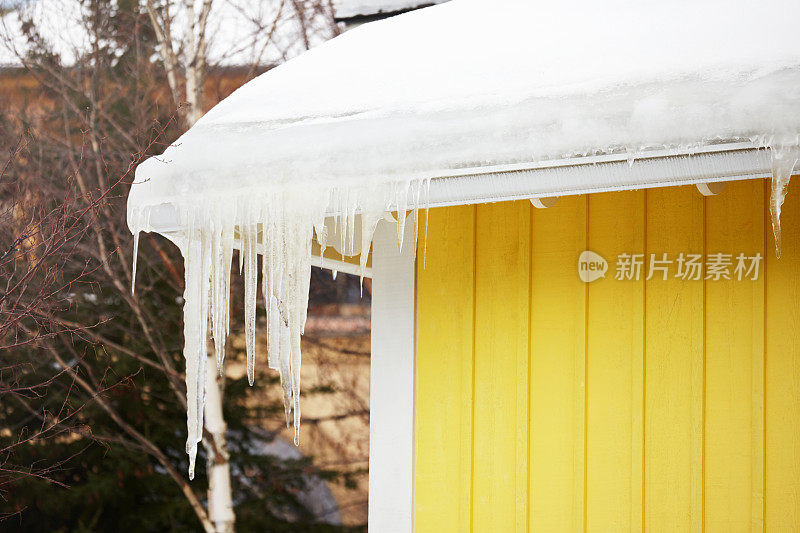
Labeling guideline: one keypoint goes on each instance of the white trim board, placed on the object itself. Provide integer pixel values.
(583, 175)
(391, 396)
(340, 266)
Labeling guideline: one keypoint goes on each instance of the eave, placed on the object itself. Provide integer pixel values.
(577, 175)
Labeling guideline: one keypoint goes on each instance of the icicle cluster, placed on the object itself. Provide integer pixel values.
(280, 228)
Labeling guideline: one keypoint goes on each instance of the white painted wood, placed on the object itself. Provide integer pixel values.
(339, 266)
(710, 189)
(391, 420)
(544, 203)
(584, 175)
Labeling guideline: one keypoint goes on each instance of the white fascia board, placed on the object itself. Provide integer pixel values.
(583, 175)
(578, 175)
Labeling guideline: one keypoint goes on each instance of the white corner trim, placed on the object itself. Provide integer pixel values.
(391, 397)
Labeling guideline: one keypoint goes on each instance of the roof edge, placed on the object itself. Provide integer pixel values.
(571, 176)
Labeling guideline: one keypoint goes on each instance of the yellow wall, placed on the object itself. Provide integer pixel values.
(547, 404)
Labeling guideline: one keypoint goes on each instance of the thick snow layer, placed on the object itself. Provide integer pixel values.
(522, 81)
(362, 124)
(354, 8)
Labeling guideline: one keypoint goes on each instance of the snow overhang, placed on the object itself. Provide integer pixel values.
(569, 176)
(555, 178)
(520, 112)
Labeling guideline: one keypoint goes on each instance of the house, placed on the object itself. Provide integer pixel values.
(588, 319)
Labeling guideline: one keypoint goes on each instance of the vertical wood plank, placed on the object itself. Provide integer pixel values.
(445, 297)
(674, 367)
(734, 336)
(501, 348)
(615, 368)
(557, 351)
(783, 372)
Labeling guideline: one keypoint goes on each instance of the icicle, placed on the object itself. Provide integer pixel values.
(135, 257)
(140, 221)
(427, 217)
(279, 226)
(784, 161)
(402, 203)
(273, 335)
(417, 187)
(197, 251)
(285, 371)
(249, 243)
(295, 364)
(219, 307)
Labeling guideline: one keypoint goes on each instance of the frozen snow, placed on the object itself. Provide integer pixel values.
(360, 125)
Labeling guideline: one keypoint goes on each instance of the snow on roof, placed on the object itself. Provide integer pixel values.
(364, 123)
(344, 9)
(524, 81)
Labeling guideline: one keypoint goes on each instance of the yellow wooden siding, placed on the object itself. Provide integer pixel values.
(444, 383)
(782, 380)
(615, 366)
(558, 367)
(547, 404)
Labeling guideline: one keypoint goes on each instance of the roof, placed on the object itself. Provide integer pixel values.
(373, 107)
(355, 9)
(456, 104)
